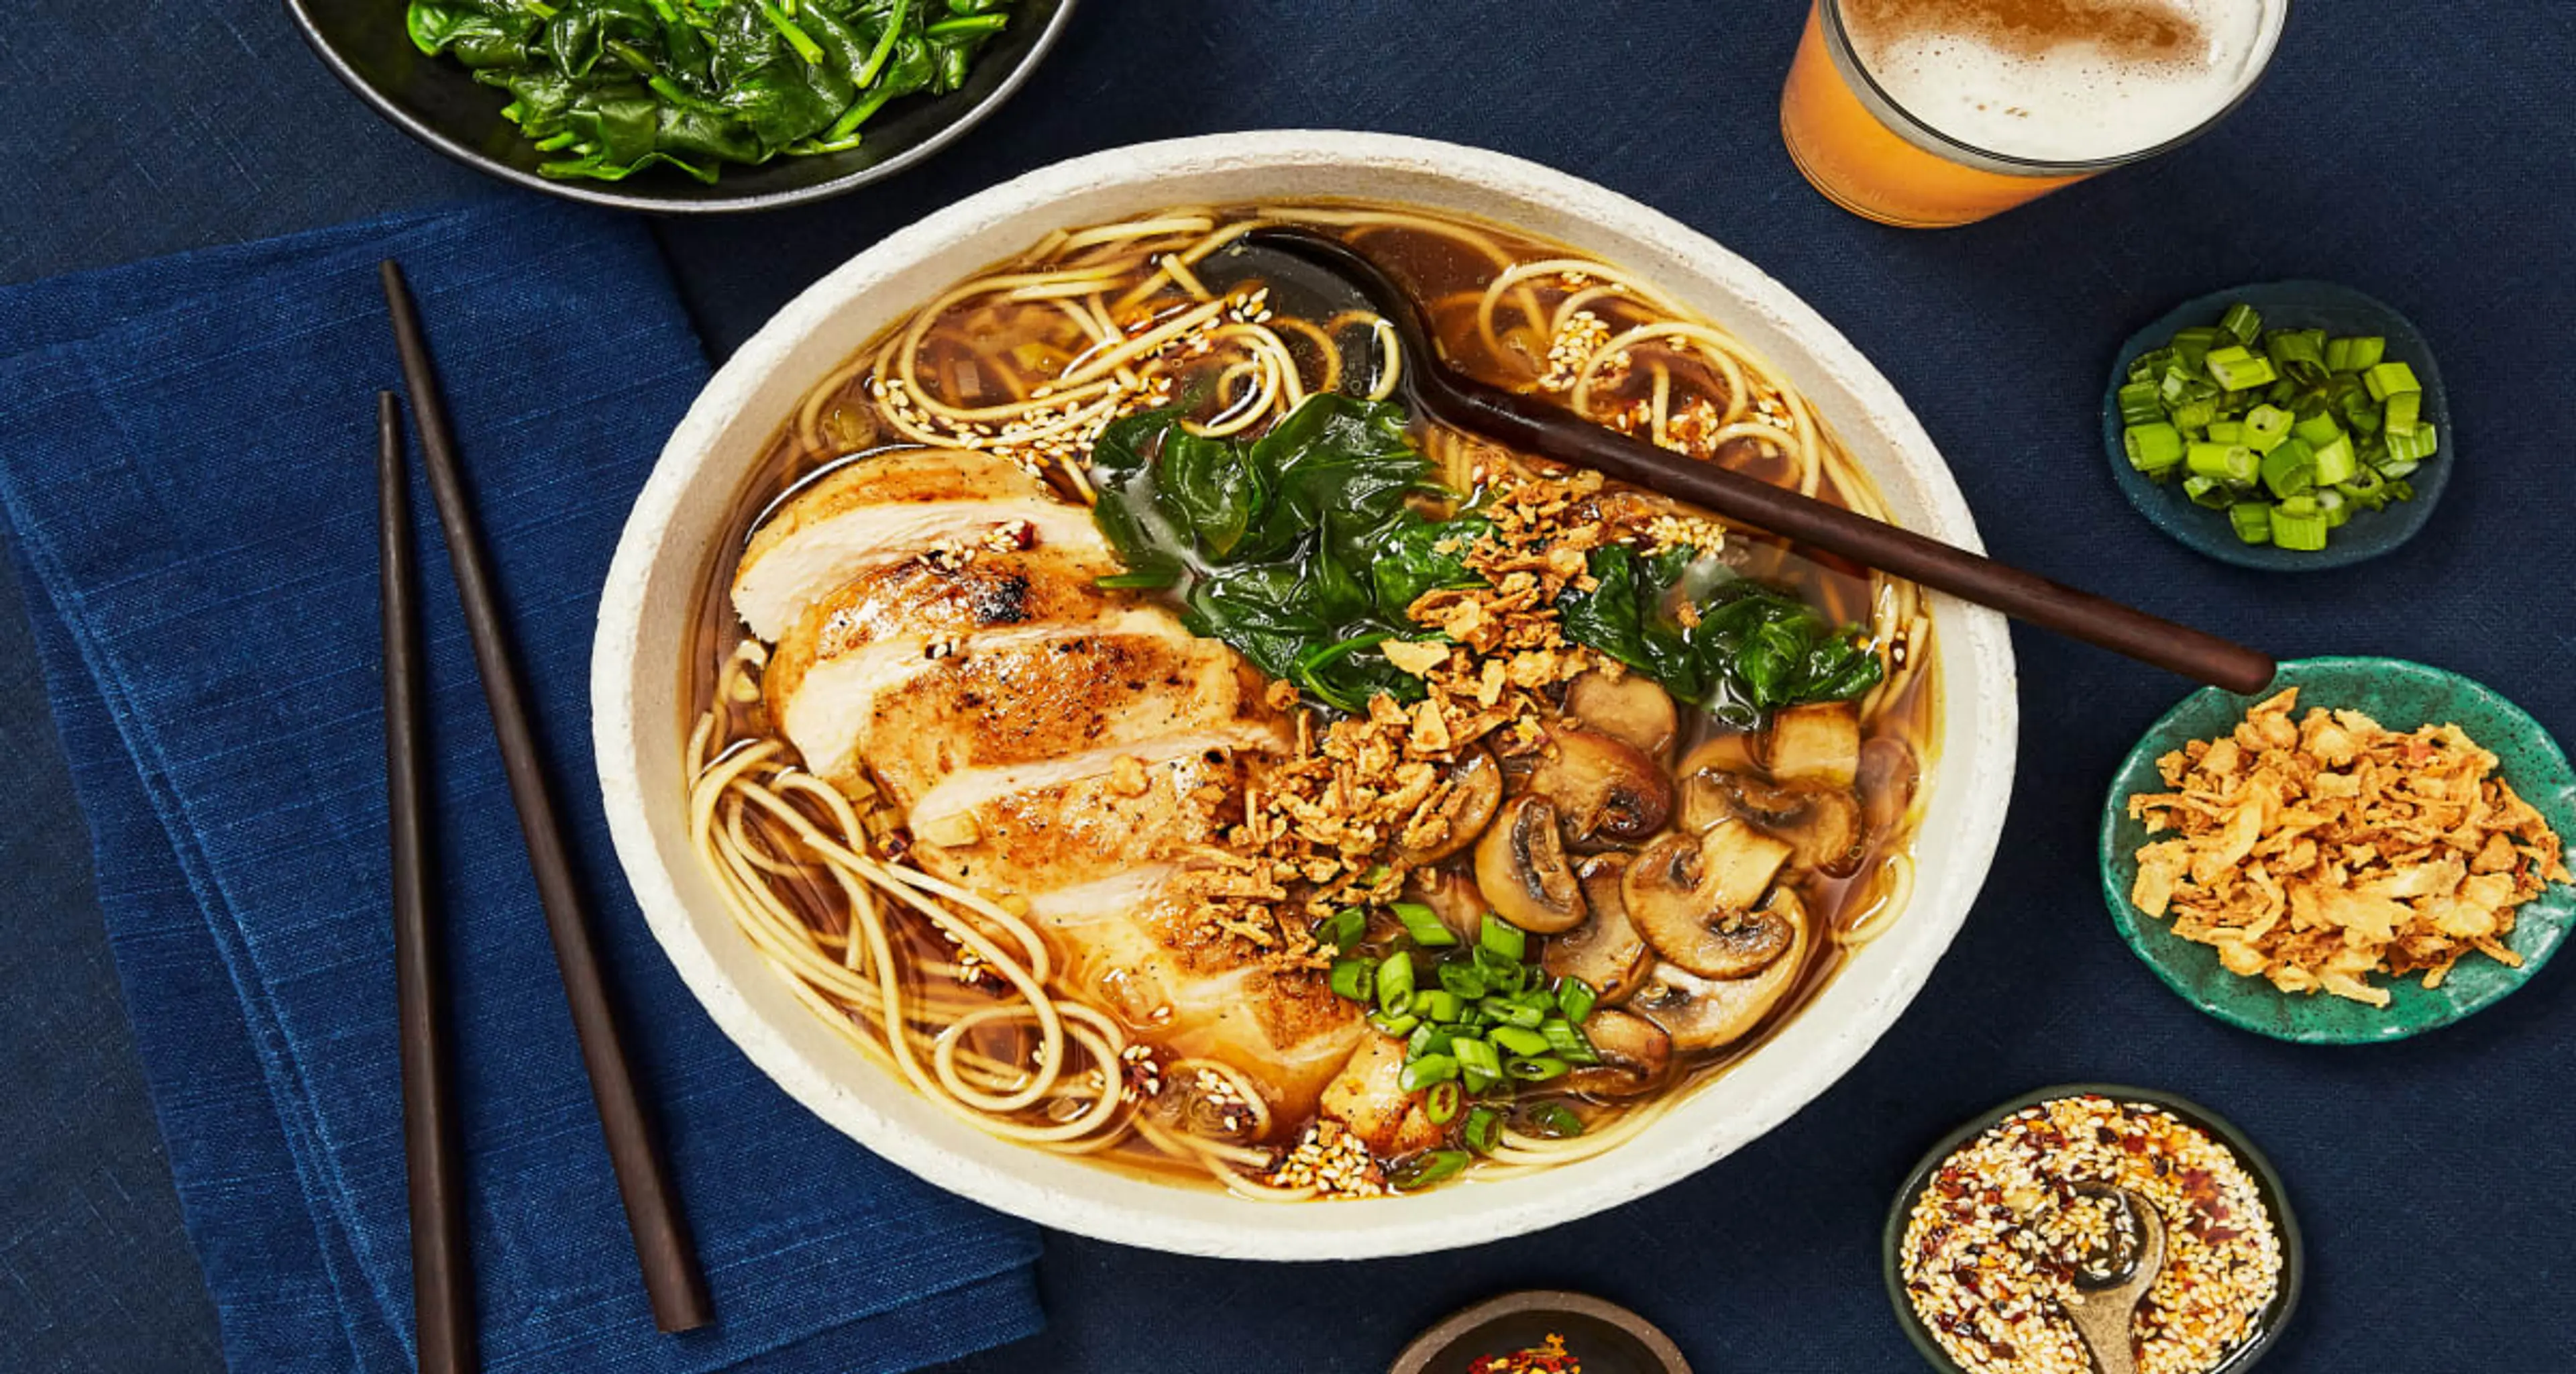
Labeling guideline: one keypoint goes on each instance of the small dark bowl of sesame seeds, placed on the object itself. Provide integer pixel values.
(1994, 1227)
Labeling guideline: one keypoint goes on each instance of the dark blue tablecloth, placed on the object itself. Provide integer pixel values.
(2421, 151)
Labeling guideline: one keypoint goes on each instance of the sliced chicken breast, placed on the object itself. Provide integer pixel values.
(884, 509)
(939, 639)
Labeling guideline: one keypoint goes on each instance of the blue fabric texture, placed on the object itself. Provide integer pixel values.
(185, 458)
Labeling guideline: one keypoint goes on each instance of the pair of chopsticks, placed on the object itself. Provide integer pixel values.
(442, 1282)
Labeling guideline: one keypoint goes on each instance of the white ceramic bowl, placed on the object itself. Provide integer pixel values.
(645, 614)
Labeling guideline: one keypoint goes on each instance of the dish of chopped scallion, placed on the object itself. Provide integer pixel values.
(2290, 432)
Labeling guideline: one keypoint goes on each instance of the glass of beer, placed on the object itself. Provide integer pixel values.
(1925, 113)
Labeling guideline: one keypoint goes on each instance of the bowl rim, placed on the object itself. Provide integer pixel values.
(2133, 926)
(2179, 520)
(1437, 1339)
(1980, 705)
(614, 196)
(2267, 1182)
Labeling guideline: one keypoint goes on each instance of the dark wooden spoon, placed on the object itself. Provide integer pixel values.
(1532, 425)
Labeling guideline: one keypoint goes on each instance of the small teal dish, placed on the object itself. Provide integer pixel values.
(2268, 1326)
(2401, 696)
(2338, 310)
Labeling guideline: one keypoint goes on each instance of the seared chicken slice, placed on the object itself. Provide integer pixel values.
(940, 641)
(884, 509)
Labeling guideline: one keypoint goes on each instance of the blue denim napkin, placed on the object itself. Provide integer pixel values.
(185, 459)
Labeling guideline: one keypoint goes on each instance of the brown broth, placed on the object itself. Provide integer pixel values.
(984, 355)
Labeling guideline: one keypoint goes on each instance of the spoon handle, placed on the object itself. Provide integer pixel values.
(1535, 426)
(2103, 1322)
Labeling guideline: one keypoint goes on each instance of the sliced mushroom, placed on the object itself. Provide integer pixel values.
(1605, 951)
(1521, 868)
(1706, 775)
(1701, 1014)
(1888, 774)
(1822, 825)
(1817, 743)
(1693, 898)
(1452, 896)
(1607, 792)
(1633, 709)
(1474, 789)
(1636, 1056)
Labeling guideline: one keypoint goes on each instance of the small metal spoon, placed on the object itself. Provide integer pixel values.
(2106, 1302)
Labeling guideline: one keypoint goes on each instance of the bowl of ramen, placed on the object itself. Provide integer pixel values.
(1084, 739)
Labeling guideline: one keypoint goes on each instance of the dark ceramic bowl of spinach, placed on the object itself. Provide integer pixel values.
(370, 46)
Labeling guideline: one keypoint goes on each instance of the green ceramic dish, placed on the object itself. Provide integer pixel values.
(2401, 696)
(2267, 1185)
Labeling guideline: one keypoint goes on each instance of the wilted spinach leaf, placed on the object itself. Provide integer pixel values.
(1753, 649)
(1298, 549)
(618, 86)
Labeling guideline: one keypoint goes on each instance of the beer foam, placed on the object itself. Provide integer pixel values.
(2062, 97)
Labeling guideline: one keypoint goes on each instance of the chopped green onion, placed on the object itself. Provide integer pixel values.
(1477, 1055)
(1569, 1044)
(2290, 470)
(2140, 404)
(1395, 983)
(2336, 462)
(2412, 447)
(2209, 492)
(2191, 346)
(1352, 979)
(1536, 1068)
(2193, 414)
(2333, 506)
(1575, 998)
(2226, 462)
(2153, 448)
(1440, 1105)
(1510, 1014)
(1419, 1171)
(2300, 348)
(1424, 1070)
(1484, 1126)
(1423, 925)
(2317, 429)
(1519, 1041)
(2266, 426)
(2305, 533)
(2390, 379)
(2355, 354)
(2225, 432)
(2253, 521)
(2243, 321)
(1463, 981)
(1400, 1026)
(1437, 1004)
(2405, 410)
(1343, 930)
(1503, 938)
(2237, 369)
(1554, 1121)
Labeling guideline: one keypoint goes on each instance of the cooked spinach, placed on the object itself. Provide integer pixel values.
(1751, 649)
(1299, 549)
(1303, 548)
(618, 86)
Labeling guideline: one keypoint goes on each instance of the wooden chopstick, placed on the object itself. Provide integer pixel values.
(442, 1275)
(671, 1275)
(1535, 426)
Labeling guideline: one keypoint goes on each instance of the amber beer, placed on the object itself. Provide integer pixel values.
(1938, 112)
